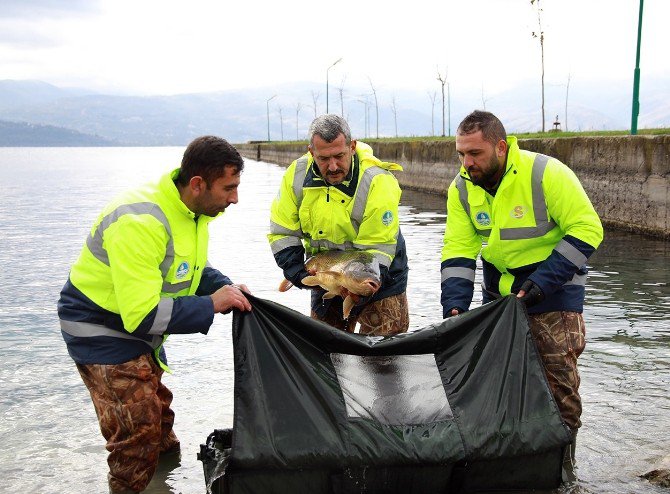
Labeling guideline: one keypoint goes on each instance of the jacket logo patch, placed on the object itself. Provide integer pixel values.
(387, 218)
(483, 218)
(182, 270)
(518, 212)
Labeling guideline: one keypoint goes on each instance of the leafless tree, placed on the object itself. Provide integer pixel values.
(484, 99)
(281, 122)
(433, 97)
(315, 98)
(394, 109)
(374, 92)
(567, 88)
(341, 91)
(298, 107)
(366, 114)
(540, 35)
(443, 81)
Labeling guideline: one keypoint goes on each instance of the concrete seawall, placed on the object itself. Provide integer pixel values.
(626, 177)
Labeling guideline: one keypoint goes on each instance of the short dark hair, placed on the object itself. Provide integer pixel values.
(328, 127)
(208, 157)
(492, 128)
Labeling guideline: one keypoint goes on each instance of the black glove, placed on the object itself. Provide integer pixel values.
(534, 294)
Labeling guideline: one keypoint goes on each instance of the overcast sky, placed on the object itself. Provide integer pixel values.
(169, 47)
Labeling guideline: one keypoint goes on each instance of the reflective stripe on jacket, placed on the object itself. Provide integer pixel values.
(539, 225)
(137, 277)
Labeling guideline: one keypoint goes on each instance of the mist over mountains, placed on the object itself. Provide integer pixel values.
(34, 113)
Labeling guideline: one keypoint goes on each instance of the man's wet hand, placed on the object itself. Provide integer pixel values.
(230, 297)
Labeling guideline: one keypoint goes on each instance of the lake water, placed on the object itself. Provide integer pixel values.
(49, 434)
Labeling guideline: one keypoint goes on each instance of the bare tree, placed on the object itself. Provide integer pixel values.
(443, 81)
(394, 109)
(281, 122)
(484, 99)
(540, 35)
(376, 105)
(433, 97)
(366, 115)
(298, 107)
(341, 91)
(567, 88)
(315, 98)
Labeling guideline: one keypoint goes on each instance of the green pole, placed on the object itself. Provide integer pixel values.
(636, 77)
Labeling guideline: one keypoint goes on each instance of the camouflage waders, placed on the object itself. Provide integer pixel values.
(133, 409)
(384, 317)
(560, 338)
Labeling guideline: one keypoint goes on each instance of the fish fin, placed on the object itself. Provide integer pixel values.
(285, 285)
(347, 306)
(310, 281)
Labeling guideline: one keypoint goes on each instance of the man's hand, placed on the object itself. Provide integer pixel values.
(454, 311)
(530, 294)
(230, 297)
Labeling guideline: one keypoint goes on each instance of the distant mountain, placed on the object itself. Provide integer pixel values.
(242, 115)
(18, 93)
(25, 134)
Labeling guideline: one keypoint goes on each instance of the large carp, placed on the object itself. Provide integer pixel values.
(350, 274)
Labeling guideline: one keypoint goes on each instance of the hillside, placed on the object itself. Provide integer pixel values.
(25, 134)
(242, 115)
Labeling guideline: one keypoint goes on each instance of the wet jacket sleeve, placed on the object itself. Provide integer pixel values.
(460, 249)
(136, 248)
(285, 235)
(569, 206)
(212, 279)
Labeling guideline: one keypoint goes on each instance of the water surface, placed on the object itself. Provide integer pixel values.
(50, 437)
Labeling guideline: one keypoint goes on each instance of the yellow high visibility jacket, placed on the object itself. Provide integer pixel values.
(137, 277)
(540, 224)
(309, 216)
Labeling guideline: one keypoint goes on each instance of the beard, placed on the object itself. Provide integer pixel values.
(487, 177)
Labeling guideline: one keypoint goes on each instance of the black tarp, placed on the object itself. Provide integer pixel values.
(458, 406)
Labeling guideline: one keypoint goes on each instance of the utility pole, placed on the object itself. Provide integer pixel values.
(331, 66)
(636, 77)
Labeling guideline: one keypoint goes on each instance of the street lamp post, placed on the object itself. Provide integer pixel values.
(333, 65)
(267, 104)
(636, 77)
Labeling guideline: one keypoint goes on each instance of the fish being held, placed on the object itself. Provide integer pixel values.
(350, 274)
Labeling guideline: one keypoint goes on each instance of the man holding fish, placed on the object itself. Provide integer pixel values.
(338, 206)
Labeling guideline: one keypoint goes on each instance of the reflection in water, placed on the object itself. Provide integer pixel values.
(51, 440)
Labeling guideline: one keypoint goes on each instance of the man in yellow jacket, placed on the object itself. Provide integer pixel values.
(338, 196)
(142, 275)
(539, 229)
